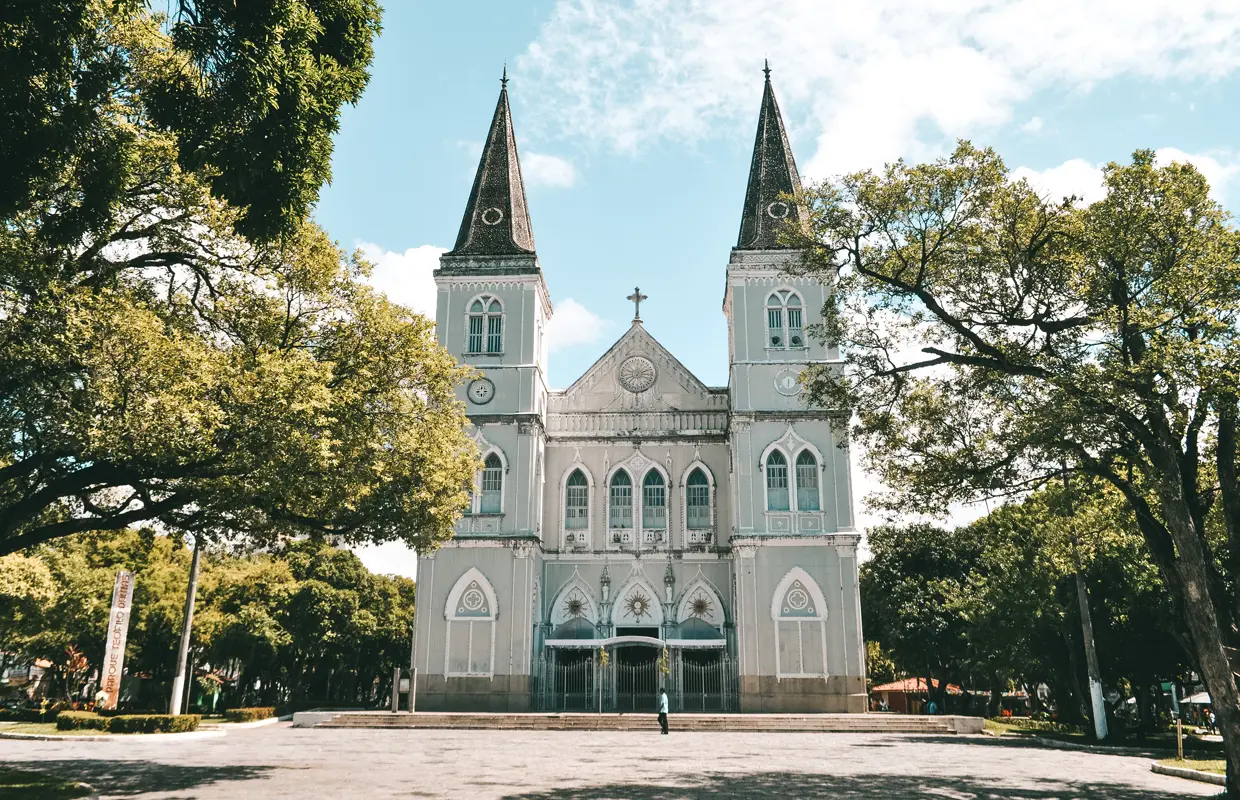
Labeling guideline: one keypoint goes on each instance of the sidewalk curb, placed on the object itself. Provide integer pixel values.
(112, 737)
(1189, 774)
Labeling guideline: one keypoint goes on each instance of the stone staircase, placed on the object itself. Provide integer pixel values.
(775, 723)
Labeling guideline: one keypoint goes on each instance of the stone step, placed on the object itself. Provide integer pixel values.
(822, 723)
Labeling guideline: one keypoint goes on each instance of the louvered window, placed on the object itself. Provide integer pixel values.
(776, 482)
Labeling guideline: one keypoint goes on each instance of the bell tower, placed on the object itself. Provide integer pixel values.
(799, 643)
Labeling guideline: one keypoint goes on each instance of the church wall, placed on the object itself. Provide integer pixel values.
(599, 460)
(781, 658)
(479, 663)
(752, 441)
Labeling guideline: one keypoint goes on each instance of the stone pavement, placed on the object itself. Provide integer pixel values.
(282, 762)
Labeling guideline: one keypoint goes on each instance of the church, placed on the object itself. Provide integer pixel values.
(641, 530)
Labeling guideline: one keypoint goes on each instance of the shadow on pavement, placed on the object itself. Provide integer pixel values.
(127, 778)
(785, 785)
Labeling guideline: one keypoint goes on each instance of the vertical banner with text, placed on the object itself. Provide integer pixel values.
(118, 631)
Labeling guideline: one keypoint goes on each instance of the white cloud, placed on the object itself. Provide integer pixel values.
(1073, 177)
(406, 278)
(1034, 125)
(1083, 179)
(870, 81)
(539, 169)
(389, 558)
(573, 324)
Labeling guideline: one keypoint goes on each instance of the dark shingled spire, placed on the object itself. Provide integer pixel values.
(773, 172)
(497, 220)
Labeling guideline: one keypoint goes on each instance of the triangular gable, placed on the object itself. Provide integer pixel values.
(675, 387)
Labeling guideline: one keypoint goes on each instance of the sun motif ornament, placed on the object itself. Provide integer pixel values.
(574, 606)
(701, 606)
(638, 605)
(637, 374)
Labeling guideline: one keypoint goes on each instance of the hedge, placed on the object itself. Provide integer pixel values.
(28, 714)
(82, 721)
(155, 723)
(127, 723)
(249, 714)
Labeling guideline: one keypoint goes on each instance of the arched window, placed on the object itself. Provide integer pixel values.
(577, 501)
(654, 501)
(486, 326)
(492, 484)
(776, 482)
(785, 327)
(807, 482)
(697, 501)
(621, 497)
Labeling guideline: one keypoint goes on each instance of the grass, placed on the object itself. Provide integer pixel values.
(1218, 766)
(17, 784)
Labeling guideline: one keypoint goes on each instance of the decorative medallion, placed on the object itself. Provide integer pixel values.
(777, 210)
(492, 216)
(481, 391)
(637, 374)
(638, 605)
(473, 602)
(787, 382)
(797, 602)
(701, 606)
(574, 606)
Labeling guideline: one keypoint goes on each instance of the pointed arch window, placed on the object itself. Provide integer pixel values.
(654, 501)
(785, 326)
(492, 485)
(697, 501)
(807, 482)
(486, 326)
(577, 501)
(776, 482)
(621, 500)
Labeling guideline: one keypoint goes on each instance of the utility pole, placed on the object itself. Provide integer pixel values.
(1097, 702)
(179, 679)
(413, 663)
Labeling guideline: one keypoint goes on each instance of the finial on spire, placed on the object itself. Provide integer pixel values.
(766, 68)
(503, 82)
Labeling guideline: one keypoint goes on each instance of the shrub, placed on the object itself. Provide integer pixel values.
(155, 723)
(116, 712)
(28, 714)
(81, 721)
(249, 714)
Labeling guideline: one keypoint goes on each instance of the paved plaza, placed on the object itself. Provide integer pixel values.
(282, 762)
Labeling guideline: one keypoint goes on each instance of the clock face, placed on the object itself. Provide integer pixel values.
(481, 391)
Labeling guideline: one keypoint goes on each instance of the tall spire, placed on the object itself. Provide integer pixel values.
(497, 219)
(772, 173)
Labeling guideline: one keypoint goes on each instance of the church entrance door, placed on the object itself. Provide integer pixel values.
(635, 676)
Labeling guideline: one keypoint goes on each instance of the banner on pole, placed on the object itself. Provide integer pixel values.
(118, 631)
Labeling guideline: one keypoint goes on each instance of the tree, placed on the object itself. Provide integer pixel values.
(155, 365)
(252, 90)
(304, 622)
(996, 338)
(907, 591)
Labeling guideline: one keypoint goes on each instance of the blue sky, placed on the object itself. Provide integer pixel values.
(635, 123)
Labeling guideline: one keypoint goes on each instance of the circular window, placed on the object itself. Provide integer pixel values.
(777, 210)
(637, 374)
(492, 216)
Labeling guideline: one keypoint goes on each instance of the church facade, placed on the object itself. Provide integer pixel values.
(640, 529)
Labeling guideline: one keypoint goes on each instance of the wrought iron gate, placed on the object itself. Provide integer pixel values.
(704, 682)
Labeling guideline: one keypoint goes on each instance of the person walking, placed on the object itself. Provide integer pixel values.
(663, 710)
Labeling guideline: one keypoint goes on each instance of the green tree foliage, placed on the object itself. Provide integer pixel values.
(157, 366)
(995, 338)
(992, 605)
(304, 621)
(252, 90)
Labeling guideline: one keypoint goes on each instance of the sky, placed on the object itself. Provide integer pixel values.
(635, 122)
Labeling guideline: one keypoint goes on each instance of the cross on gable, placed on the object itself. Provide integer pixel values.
(637, 297)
